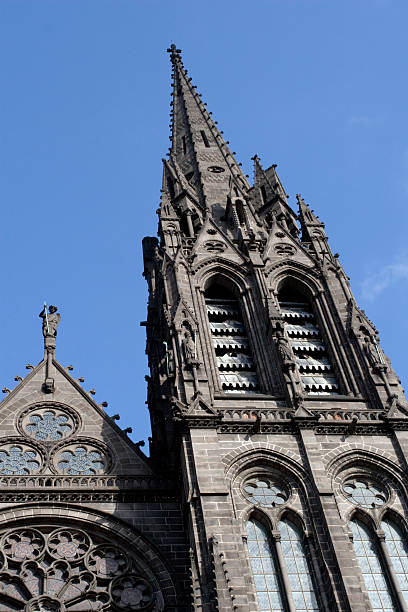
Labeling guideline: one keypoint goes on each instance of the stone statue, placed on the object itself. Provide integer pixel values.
(284, 349)
(373, 352)
(50, 321)
(189, 348)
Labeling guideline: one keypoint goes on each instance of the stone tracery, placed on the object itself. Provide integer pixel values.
(48, 425)
(67, 570)
(17, 459)
(81, 461)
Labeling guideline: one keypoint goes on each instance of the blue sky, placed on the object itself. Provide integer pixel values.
(317, 86)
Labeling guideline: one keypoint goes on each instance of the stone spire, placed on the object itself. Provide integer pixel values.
(197, 145)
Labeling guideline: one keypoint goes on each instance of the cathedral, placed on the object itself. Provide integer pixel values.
(276, 478)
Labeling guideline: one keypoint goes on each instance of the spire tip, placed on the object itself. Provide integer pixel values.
(174, 53)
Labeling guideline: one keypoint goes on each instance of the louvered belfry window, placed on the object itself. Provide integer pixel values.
(309, 349)
(234, 359)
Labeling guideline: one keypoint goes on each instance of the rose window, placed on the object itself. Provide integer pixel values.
(265, 493)
(67, 570)
(364, 494)
(81, 460)
(19, 460)
(48, 425)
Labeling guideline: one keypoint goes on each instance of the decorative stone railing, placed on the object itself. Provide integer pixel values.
(85, 482)
(273, 414)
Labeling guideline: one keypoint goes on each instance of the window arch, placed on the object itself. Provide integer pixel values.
(230, 340)
(371, 564)
(305, 339)
(281, 568)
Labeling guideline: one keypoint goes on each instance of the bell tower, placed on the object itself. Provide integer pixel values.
(270, 396)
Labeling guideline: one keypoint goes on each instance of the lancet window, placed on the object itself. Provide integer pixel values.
(381, 554)
(281, 568)
(372, 568)
(230, 340)
(306, 341)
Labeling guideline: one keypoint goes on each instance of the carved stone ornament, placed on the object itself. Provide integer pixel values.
(48, 422)
(81, 457)
(63, 570)
(283, 249)
(214, 246)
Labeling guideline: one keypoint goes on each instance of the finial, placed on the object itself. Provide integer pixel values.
(299, 198)
(174, 53)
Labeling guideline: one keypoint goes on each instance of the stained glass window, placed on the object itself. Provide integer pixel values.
(264, 569)
(364, 494)
(297, 567)
(398, 551)
(370, 564)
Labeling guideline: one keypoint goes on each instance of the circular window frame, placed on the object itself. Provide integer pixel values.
(25, 442)
(25, 414)
(369, 481)
(272, 481)
(81, 441)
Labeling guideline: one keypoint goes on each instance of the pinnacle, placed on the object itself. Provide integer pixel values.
(175, 54)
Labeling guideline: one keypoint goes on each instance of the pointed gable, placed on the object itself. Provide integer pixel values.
(64, 432)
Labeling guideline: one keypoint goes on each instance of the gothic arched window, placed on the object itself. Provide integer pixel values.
(305, 340)
(281, 568)
(372, 567)
(398, 552)
(234, 358)
(264, 568)
(297, 566)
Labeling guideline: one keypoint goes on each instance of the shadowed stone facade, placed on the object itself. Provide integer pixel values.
(277, 470)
